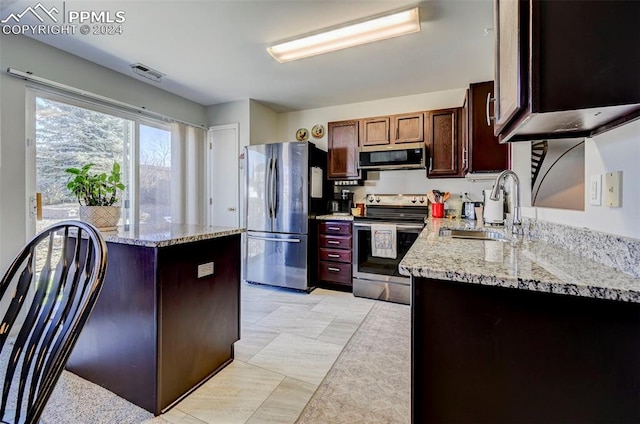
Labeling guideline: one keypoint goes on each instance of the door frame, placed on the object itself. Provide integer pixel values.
(209, 171)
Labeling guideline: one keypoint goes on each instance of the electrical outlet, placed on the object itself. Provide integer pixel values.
(205, 269)
(595, 190)
(613, 189)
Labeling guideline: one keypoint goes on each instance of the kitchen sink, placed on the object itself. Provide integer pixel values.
(474, 234)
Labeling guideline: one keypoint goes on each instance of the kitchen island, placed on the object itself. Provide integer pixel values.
(167, 316)
(520, 331)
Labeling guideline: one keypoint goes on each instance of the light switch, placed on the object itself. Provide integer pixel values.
(613, 189)
(595, 190)
(205, 269)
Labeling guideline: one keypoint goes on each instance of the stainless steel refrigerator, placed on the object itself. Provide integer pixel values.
(286, 182)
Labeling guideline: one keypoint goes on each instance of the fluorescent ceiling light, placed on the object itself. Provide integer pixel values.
(379, 28)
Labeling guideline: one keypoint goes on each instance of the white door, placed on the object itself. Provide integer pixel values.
(223, 176)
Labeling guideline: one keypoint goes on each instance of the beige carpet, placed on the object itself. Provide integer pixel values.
(370, 381)
(77, 401)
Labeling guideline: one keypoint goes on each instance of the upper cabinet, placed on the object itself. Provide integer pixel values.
(483, 151)
(407, 128)
(375, 131)
(394, 129)
(342, 157)
(444, 142)
(565, 68)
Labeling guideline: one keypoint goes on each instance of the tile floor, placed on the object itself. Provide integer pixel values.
(289, 342)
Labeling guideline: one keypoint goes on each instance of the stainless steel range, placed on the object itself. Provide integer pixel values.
(381, 239)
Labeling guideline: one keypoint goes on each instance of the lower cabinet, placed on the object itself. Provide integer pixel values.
(334, 253)
(497, 355)
(157, 330)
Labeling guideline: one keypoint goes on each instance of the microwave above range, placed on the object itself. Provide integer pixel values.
(397, 156)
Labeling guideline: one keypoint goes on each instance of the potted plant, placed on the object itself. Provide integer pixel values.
(97, 194)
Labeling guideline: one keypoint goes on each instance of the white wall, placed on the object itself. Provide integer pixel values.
(264, 125)
(616, 150)
(258, 124)
(29, 55)
(230, 113)
(386, 182)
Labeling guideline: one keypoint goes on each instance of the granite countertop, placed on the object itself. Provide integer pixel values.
(333, 217)
(519, 263)
(167, 235)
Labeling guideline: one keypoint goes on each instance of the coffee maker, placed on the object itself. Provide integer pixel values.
(342, 203)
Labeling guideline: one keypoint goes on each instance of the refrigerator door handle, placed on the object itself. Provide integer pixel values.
(269, 187)
(274, 239)
(275, 187)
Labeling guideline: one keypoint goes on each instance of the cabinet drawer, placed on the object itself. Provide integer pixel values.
(338, 242)
(335, 255)
(342, 228)
(335, 272)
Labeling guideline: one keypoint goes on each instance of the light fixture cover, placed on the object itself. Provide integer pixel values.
(350, 35)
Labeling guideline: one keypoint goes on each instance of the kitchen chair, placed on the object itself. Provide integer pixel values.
(47, 293)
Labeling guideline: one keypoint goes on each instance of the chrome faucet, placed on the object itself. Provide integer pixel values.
(515, 197)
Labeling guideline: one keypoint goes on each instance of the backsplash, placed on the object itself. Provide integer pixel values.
(621, 253)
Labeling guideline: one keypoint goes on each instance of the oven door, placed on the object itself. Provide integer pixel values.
(369, 267)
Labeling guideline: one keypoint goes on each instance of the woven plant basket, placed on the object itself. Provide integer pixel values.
(104, 218)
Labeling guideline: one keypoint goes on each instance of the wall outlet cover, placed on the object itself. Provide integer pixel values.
(205, 269)
(595, 190)
(613, 189)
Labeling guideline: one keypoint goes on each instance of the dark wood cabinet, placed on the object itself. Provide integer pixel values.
(554, 78)
(342, 155)
(334, 253)
(444, 143)
(394, 129)
(496, 355)
(157, 331)
(375, 131)
(335, 228)
(482, 150)
(407, 128)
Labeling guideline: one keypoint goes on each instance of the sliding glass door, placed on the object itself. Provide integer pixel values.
(67, 132)
(154, 174)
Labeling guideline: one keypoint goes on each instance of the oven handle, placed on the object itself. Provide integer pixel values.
(398, 226)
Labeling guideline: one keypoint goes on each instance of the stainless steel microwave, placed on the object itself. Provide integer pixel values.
(394, 156)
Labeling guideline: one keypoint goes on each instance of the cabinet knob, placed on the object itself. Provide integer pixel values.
(231, 209)
(333, 255)
(332, 269)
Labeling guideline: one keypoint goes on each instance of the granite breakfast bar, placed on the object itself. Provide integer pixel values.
(167, 316)
(520, 331)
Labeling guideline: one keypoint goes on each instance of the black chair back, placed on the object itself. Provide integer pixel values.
(46, 297)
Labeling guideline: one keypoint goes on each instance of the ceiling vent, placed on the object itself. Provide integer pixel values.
(147, 72)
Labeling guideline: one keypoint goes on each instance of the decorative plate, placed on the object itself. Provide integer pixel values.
(317, 131)
(302, 134)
